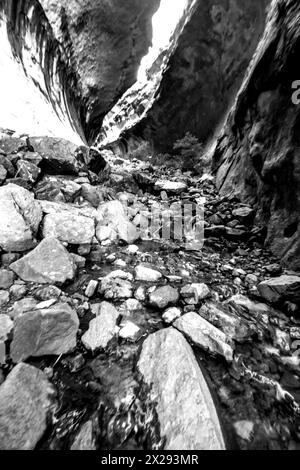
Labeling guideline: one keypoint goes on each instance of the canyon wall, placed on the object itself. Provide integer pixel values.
(258, 154)
(82, 55)
(205, 72)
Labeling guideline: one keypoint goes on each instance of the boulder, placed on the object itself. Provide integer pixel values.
(142, 273)
(186, 412)
(204, 335)
(44, 332)
(6, 325)
(84, 439)
(113, 215)
(163, 297)
(116, 285)
(59, 155)
(193, 294)
(20, 217)
(172, 187)
(286, 287)
(25, 402)
(49, 263)
(69, 227)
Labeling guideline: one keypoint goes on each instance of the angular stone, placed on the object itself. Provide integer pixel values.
(102, 329)
(6, 278)
(171, 314)
(286, 287)
(194, 293)
(28, 171)
(4, 297)
(20, 217)
(49, 263)
(70, 228)
(25, 401)
(44, 332)
(164, 296)
(186, 411)
(204, 335)
(113, 215)
(116, 286)
(233, 326)
(91, 288)
(3, 174)
(129, 331)
(6, 325)
(142, 273)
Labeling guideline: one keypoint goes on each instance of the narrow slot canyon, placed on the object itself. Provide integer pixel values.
(149, 225)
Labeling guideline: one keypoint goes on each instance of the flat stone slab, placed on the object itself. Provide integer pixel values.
(186, 411)
(280, 288)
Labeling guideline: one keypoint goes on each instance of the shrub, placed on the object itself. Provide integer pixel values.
(190, 150)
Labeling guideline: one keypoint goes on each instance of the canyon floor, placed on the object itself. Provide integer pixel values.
(111, 341)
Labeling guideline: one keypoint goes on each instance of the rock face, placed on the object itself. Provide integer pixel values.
(48, 263)
(257, 156)
(20, 217)
(51, 331)
(186, 412)
(87, 52)
(25, 400)
(205, 71)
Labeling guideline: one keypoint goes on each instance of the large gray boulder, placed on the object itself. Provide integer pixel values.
(20, 217)
(25, 401)
(186, 411)
(48, 263)
(51, 331)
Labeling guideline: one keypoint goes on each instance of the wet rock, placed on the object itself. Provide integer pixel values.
(91, 288)
(281, 288)
(193, 294)
(47, 293)
(28, 171)
(20, 217)
(6, 325)
(50, 331)
(18, 291)
(142, 273)
(233, 326)
(102, 329)
(48, 263)
(25, 401)
(4, 298)
(116, 285)
(171, 314)
(6, 279)
(70, 228)
(164, 296)
(84, 440)
(204, 335)
(256, 309)
(185, 409)
(129, 331)
(171, 187)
